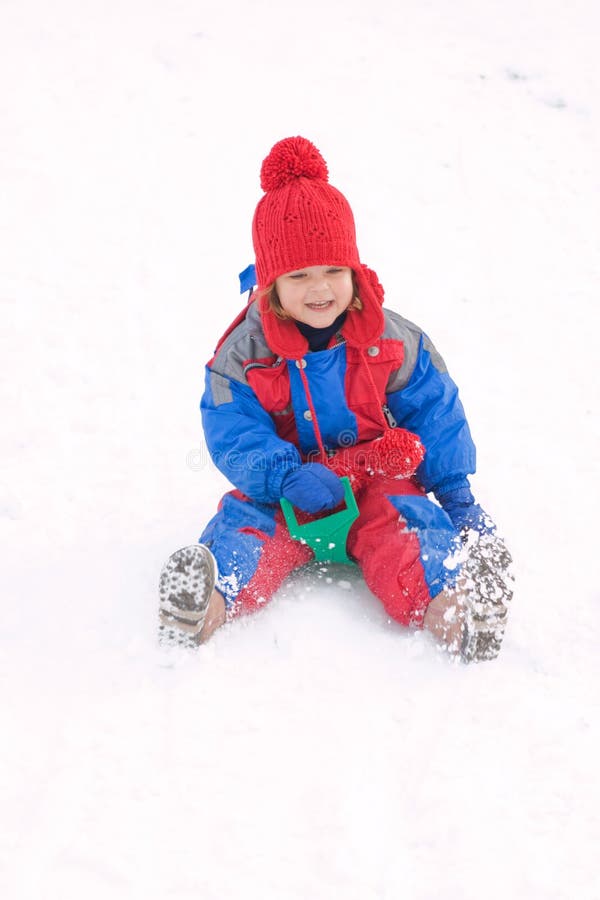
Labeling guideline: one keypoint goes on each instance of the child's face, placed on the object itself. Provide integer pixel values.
(316, 295)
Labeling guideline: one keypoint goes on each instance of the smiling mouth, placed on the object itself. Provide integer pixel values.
(321, 305)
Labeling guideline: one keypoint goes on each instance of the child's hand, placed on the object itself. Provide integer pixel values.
(313, 488)
(465, 514)
(470, 517)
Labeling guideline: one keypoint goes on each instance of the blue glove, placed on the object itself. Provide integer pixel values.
(464, 513)
(313, 488)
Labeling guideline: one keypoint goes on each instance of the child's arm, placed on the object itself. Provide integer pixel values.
(245, 447)
(426, 402)
(424, 399)
(242, 440)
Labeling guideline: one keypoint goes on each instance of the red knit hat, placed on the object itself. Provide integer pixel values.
(301, 221)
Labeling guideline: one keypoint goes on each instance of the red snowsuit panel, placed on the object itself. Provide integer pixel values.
(389, 555)
(364, 371)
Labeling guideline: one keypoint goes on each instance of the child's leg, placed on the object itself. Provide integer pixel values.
(254, 554)
(402, 541)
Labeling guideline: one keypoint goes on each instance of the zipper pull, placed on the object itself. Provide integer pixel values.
(389, 416)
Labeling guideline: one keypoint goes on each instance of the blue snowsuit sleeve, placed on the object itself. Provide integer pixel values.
(429, 405)
(242, 440)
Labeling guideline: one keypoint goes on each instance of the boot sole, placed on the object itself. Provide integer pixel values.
(490, 580)
(186, 583)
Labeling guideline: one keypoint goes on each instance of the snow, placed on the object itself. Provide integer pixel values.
(316, 749)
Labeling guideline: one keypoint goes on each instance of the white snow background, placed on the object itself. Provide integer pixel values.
(316, 750)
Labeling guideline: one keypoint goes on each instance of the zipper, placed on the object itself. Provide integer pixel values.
(389, 416)
(259, 365)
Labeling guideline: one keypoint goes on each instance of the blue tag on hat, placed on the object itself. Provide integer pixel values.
(248, 278)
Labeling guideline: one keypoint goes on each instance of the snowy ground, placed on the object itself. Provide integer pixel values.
(316, 750)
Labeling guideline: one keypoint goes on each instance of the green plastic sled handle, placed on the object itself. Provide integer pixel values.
(327, 536)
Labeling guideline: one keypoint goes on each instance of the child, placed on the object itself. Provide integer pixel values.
(315, 380)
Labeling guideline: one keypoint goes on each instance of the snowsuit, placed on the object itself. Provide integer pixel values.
(259, 409)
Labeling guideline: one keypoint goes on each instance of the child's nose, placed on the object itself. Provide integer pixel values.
(319, 284)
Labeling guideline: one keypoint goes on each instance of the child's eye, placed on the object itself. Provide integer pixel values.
(334, 270)
(298, 275)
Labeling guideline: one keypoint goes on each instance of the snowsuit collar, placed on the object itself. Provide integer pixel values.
(319, 338)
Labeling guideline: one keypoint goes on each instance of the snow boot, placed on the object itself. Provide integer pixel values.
(489, 589)
(187, 581)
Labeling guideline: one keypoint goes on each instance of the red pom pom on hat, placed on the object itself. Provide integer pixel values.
(292, 158)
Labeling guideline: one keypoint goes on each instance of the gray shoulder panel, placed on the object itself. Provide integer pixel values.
(247, 341)
(220, 389)
(400, 329)
(436, 357)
